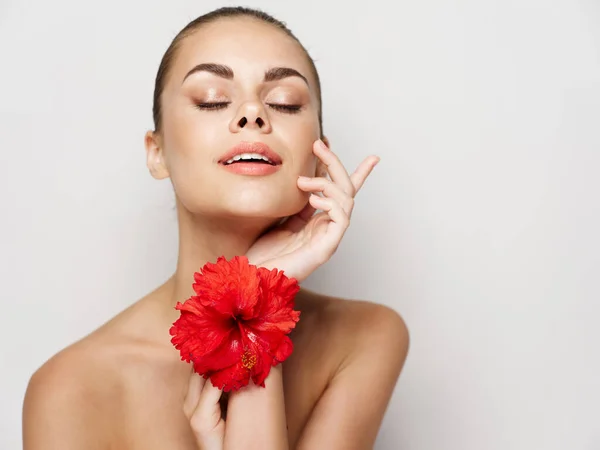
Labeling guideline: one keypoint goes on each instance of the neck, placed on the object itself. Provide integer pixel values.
(203, 239)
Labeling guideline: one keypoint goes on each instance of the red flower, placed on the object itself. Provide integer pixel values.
(236, 327)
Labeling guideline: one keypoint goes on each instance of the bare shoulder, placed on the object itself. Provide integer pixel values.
(83, 384)
(363, 327)
(66, 394)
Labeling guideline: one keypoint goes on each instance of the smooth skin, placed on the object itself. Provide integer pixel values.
(124, 386)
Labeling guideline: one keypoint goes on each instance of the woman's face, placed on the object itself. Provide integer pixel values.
(254, 85)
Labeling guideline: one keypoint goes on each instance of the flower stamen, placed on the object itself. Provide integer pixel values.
(248, 360)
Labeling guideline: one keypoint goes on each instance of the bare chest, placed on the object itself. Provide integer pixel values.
(152, 415)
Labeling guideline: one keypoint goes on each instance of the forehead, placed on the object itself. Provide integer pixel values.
(247, 45)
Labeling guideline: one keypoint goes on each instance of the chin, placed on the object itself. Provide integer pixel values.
(245, 199)
(256, 204)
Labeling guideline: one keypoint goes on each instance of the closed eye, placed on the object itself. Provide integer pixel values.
(214, 105)
(289, 109)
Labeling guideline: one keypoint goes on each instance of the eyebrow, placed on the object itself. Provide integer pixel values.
(220, 70)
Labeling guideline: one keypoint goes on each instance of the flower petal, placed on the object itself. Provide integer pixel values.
(233, 377)
(276, 304)
(283, 351)
(228, 353)
(283, 320)
(198, 330)
(230, 287)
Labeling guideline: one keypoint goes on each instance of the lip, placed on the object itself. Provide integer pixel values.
(250, 168)
(251, 147)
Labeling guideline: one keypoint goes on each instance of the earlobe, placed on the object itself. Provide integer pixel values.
(155, 160)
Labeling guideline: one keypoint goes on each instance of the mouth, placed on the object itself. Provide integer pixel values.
(250, 153)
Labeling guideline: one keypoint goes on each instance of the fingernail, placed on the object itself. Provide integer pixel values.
(322, 145)
(303, 178)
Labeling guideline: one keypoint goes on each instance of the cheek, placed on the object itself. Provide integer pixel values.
(305, 157)
(299, 135)
(191, 140)
(184, 132)
(309, 166)
(190, 147)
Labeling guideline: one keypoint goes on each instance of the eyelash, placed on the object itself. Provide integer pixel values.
(287, 109)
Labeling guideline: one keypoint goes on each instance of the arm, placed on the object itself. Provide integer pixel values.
(256, 416)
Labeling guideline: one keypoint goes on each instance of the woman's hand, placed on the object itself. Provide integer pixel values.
(305, 241)
(201, 407)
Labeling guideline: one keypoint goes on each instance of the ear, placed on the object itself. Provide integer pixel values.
(155, 156)
(322, 168)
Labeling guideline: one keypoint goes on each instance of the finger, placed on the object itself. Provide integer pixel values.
(338, 225)
(206, 421)
(335, 168)
(210, 397)
(195, 386)
(329, 190)
(332, 208)
(363, 170)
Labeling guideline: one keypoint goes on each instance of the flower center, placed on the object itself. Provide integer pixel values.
(248, 360)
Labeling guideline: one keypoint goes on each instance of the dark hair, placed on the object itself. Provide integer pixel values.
(194, 25)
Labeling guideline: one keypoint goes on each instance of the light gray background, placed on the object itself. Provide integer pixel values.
(480, 225)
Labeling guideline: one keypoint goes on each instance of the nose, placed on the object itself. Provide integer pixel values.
(251, 115)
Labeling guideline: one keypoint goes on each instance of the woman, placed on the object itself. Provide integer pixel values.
(237, 111)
